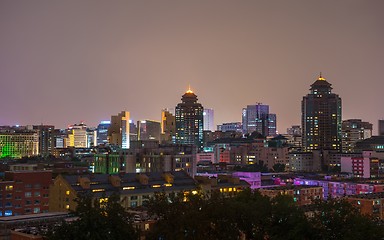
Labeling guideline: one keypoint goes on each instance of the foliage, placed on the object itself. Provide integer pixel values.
(257, 167)
(98, 219)
(338, 219)
(278, 167)
(250, 215)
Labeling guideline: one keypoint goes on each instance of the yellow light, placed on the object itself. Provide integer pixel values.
(67, 206)
(128, 188)
(194, 192)
(156, 186)
(168, 184)
(67, 192)
(98, 190)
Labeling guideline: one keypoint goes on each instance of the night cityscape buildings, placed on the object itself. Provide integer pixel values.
(256, 118)
(189, 120)
(321, 118)
(118, 132)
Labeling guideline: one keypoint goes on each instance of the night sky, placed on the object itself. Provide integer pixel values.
(62, 62)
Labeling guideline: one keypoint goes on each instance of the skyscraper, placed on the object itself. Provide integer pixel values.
(148, 130)
(168, 126)
(77, 135)
(354, 130)
(189, 120)
(118, 132)
(256, 118)
(321, 118)
(208, 119)
(102, 132)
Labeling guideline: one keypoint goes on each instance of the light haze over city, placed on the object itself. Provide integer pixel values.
(63, 62)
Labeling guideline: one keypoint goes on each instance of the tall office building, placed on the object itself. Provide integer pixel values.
(321, 118)
(102, 132)
(46, 139)
(168, 126)
(381, 127)
(354, 130)
(272, 128)
(118, 132)
(208, 119)
(77, 136)
(148, 130)
(256, 118)
(189, 120)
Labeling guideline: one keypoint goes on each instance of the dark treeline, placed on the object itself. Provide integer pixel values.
(248, 215)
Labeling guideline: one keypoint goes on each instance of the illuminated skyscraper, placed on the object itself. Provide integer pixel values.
(354, 130)
(168, 126)
(189, 120)
(148, 130)
(256, 118)
(208, 119)
(77, 136)
(321, 118)
(118, 132)
(46, 138)
(102, 132)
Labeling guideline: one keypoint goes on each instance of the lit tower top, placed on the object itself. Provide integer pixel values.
(321, 77)
(189, 89)
(321, 86)
(189, 96)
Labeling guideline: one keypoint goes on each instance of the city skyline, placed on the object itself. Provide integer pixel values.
(61, 63)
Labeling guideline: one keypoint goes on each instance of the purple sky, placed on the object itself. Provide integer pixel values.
(66, 61)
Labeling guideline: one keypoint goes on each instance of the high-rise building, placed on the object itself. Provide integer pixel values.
(381, 127)
(208, 115)
(16, 143)
(118, 132)
(272, 128)
(189, 120)
(321, 118)
(168, 126)
(354, 130)
(46, 139)
(77, 136)
(256, 118)
(102, 132)
(148, 130)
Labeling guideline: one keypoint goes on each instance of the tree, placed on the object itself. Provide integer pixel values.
(278, 167)
(338, 219)
(98, 219)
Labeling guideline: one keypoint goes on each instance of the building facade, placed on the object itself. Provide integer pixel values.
(19, 143)
(321, 118)
(208, 119)
(118, 132)
(189, 120)
(168, 126)
(256, 118)
(354, 130)
(148, 130)
(25, 192)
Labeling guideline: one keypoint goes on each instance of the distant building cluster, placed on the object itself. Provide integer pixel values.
(44, 168)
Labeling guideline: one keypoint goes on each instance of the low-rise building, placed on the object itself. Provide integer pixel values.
(302, 195)
(25, 192)
(134, 188)
(369, 204)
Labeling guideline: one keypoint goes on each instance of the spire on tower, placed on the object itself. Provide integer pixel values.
(321, 77)
(189, 89)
